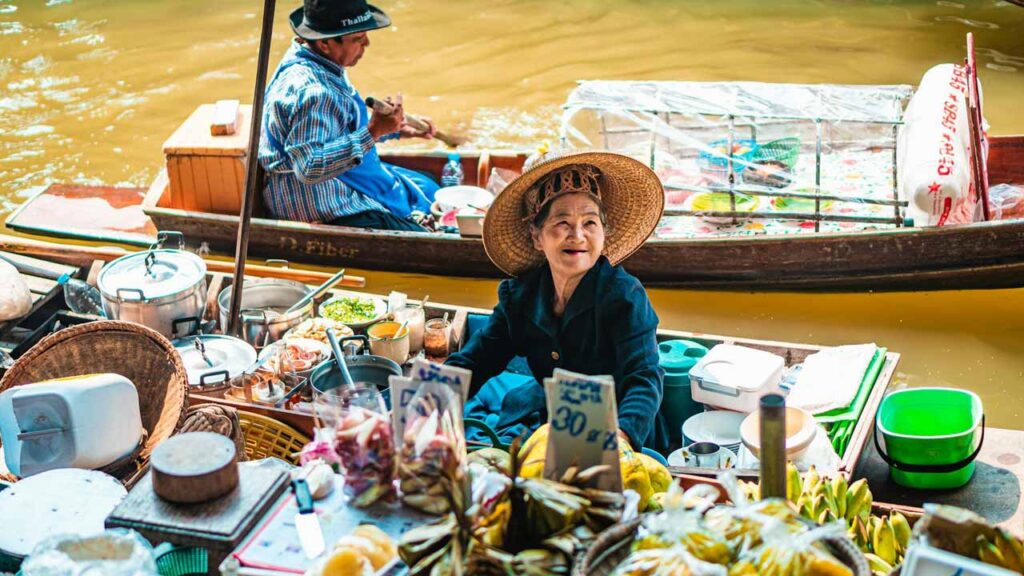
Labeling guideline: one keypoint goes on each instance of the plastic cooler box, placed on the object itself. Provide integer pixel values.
(735, 377)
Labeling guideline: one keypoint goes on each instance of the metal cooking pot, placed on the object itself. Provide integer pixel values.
(214, 361)
(363, 368)
(159, 288)
(262, 301)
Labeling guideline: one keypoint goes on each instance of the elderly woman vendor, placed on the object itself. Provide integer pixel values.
(560, 230)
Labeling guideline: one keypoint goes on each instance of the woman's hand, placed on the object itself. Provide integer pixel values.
(624, 436)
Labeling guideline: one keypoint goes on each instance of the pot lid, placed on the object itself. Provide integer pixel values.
(214, 356)
(157, 273)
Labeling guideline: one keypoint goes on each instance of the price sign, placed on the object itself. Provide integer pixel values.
(403, 389)
(584, 426)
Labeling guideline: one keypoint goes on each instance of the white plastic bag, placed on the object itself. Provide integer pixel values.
(933, 144)
(15, 297)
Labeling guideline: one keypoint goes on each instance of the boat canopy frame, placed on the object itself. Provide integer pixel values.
(659, 122)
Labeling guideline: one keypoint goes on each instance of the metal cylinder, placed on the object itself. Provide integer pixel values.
(773, 446)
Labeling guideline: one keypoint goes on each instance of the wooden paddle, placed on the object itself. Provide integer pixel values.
(84, 255)
(451, 140)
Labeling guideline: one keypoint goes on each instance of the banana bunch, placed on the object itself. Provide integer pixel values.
(786, 561)
(883, 540)
(1003, 550)
(704, 545)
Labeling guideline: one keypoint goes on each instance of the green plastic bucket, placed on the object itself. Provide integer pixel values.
(931, 436)
(676, 358)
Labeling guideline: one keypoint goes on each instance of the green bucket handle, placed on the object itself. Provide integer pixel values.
(931, 468)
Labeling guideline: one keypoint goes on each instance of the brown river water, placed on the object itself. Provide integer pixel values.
(89, 90)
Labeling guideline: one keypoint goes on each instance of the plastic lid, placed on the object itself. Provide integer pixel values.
(453, 156)
(63, 279)
(677, 357)
(168, 272)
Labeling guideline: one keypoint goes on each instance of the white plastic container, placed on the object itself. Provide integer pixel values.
(77, 422)
(735, 377)
(924, 560)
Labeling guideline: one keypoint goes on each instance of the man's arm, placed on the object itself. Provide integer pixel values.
(319, 142)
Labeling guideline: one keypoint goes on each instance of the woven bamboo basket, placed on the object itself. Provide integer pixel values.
(136, 352)
(612, 546)
(265, 437)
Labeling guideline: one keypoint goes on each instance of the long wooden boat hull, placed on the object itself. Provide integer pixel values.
(979, 255)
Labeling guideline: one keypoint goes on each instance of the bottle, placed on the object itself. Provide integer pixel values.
(451, 174)
(81, 297)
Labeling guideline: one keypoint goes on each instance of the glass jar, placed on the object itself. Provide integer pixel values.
(435, 337)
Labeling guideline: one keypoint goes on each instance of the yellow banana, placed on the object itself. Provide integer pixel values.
(812, 480)
(794, 487)
(883, 542)
(839, 489)
(858, 500)
(878, 565)
(989, 553)
(901, 529)
(1010, 549)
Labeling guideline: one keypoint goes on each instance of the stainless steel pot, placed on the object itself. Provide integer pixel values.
(263, 300)
(164, 289)
(213, 361)
(364, 368)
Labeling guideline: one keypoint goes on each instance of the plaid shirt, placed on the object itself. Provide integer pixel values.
(309, 137)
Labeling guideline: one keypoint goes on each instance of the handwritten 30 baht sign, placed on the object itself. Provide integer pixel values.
(584, 426)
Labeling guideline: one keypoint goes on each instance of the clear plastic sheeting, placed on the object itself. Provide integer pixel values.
(745, 158)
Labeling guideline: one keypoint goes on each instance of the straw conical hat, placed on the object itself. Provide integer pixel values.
(631, 193)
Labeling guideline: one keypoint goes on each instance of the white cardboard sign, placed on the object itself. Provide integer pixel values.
(584, 426)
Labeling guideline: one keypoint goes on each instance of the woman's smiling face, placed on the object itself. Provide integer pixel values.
(572, 235)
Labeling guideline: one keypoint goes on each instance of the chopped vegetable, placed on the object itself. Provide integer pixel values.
(350, 310)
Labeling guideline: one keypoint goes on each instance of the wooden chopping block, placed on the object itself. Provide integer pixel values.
(194, 467)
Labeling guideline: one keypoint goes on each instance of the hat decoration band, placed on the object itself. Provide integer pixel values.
(572, 179)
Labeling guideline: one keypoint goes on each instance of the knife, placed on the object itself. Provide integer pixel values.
(306, 522)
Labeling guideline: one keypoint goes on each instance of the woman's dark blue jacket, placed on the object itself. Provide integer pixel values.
(608, 327)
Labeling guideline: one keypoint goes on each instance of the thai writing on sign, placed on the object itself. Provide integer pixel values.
(584, 426)
(403, 389)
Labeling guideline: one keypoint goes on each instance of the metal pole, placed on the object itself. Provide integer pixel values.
(253, 177)
(773, 446)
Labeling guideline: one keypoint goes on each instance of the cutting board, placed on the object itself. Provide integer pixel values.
(218, 525)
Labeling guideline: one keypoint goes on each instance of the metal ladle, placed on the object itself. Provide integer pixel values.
(317, 291)
(339, 359)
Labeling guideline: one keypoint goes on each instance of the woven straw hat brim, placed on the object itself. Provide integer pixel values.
(633, 200)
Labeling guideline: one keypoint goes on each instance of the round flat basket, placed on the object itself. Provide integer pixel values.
(136, 352)
(613, 545)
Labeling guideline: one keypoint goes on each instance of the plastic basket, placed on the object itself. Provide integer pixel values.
(784, 150)
(718, 163)
(266, 437)
(183, 561)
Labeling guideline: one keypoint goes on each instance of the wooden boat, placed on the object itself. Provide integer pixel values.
(979, 255)
(994, 492)
(303, 421)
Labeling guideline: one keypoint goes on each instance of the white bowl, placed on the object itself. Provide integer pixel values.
(719, 426)
(380, 309)
(455, 197)
(801, 428)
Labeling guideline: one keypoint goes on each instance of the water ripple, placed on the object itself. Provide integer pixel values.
(11, 28)
(968, 22)
(8, 8)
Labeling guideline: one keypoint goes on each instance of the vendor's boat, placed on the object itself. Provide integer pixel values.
(978, 255)
(987, 493)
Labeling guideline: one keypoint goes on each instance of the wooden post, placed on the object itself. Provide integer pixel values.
(253, 176)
